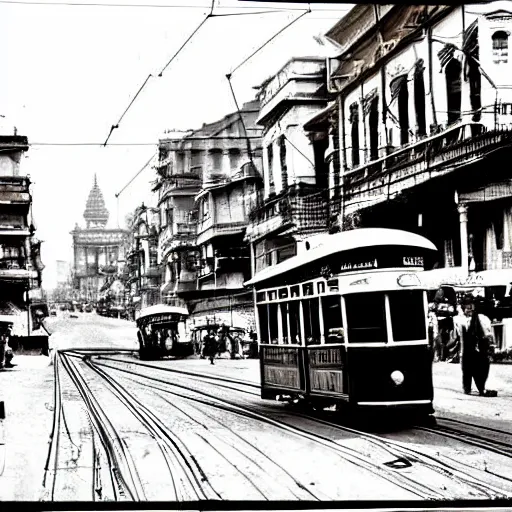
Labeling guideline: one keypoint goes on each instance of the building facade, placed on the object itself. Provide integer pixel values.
(20, 251)
(98, 250)
(206, 181)
(142, 274)
(424, 117)
(293, 205)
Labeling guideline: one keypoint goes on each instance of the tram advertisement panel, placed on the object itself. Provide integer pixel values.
(326, 369)
(282, 367)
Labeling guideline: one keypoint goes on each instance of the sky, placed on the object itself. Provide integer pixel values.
(69, 71)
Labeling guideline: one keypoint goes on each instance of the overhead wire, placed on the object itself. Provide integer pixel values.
(113, 127)
(161, 6)
(142, 169)
(268, 41)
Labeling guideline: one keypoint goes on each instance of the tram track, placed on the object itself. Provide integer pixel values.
(401, 452)
(443, 427)
(481, 436)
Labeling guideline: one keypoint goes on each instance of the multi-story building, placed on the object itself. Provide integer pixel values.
(294, 202)
(98, 250)
(20, 252)
(143, 274)
(425, 121)
(206, 182)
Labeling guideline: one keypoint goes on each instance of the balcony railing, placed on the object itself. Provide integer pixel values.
(306, 211)
(438, 154)
(179, 181)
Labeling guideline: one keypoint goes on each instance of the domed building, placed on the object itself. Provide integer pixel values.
(98, 250)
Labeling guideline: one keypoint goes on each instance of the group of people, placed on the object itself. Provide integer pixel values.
(216, 341)
(465, 336)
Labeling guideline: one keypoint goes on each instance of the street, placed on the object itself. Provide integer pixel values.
(184, 430)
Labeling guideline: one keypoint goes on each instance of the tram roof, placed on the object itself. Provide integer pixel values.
(159, 309)
(344, 242)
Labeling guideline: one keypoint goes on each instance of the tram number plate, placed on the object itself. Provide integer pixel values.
(287, 377)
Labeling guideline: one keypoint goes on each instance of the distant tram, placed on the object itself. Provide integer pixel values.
(346, 323)
(161, 332)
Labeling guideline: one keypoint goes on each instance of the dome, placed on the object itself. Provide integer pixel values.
(96, 214)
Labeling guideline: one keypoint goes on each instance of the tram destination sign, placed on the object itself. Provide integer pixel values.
(380, 262)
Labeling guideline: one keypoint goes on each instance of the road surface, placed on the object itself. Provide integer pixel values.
(111, 427)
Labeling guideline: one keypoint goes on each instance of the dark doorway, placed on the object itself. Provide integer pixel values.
(321, 166)
(354, 132)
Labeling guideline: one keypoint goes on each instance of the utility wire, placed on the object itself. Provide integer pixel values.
(271, 39)
(129, 183)
(113, 127)
(159, 6)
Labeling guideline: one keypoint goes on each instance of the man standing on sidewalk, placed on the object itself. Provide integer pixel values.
(477, 348)
(6, 354)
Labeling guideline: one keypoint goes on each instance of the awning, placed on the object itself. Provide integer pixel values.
(490, 192)
(368, 100)
(396, 85)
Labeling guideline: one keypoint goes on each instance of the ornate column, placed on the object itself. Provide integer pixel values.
(464, 252)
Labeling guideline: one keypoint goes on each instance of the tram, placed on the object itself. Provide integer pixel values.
(161, 332)
(345, 323)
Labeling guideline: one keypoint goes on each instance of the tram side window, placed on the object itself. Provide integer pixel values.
(284, 321)
(407, 315)
(294, 313)
(311, 321)
(263, 320)
(333, 321)
(366, 318)
(273, 323)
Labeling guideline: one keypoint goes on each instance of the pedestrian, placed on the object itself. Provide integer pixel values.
(6, 354)
(477, 348)
(210, 345)
(433, 331)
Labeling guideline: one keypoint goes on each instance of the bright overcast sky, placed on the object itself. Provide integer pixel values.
(70, 71)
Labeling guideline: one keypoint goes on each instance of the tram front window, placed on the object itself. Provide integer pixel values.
(273, 323)
(407, 315)
(294, 312)
(366, 318)
(311, 321)
(333, 321)
(263, 320)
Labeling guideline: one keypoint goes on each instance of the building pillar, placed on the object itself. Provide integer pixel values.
(464, 252)
(226, 163)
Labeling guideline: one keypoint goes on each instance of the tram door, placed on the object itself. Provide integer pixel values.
(281, 354)
(326, 362)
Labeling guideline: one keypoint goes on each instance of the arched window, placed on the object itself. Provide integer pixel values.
(500, 47)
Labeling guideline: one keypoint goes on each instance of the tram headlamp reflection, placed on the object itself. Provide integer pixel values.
(397, 377)
(408, 280)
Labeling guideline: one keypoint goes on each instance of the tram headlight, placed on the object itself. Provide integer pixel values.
(397, 377)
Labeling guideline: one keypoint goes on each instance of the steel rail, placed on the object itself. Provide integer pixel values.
(234, 447)
(348, 454)
(159, 430)
(122, 489)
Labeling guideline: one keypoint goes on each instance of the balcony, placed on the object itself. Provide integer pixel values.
(224, 228)
(15, 268)
(180, 182)
(440, 154)
(299, 210)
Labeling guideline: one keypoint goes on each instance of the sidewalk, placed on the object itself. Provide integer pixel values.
(27, 391)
